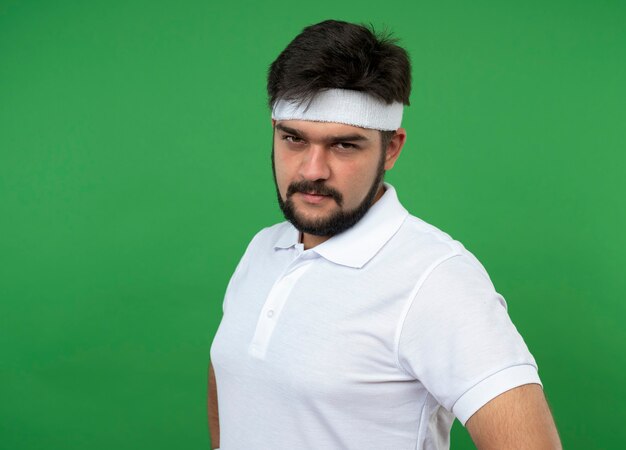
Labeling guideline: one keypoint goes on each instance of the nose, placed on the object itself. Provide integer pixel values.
(314, 165)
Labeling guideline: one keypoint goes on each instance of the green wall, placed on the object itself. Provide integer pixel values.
(134, 169)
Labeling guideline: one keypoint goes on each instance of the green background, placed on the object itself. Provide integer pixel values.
(134, 169)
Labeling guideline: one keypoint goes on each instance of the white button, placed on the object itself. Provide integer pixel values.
(270, 313)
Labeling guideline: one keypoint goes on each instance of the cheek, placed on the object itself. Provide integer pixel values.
(359, 181)
(361, 173)
(281, 171)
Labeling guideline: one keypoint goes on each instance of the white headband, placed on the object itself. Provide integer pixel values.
(342, 106)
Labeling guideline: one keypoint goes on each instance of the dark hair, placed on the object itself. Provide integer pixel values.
(340, 55)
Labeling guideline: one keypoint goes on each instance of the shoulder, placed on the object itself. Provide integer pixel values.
(436, 249)
(416, 229)
(449, 279)
(273, 235)
(459, 270)
(269, 237)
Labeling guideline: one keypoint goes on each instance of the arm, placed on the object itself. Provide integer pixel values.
(214, 423)
(517, 419)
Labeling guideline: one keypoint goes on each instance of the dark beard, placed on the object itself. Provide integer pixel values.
(338, 221)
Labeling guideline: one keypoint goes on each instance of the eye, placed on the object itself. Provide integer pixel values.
(345, 146)
(292, 139)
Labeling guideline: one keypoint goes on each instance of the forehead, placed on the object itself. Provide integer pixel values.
(326, 130)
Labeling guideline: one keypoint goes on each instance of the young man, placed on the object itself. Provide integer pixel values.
(355, 325)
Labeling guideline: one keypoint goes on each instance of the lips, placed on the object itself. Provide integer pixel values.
(312, 197)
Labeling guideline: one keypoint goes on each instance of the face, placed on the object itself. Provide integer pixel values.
(327, 174)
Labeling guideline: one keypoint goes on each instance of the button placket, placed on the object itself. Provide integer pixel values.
(276, 299)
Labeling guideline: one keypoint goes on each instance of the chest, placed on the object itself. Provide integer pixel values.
(313, 324)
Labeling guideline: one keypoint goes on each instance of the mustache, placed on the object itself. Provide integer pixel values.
(314, 187)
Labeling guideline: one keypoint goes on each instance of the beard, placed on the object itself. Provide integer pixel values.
(339, 220)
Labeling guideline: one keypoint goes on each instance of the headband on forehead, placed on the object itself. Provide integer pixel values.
(343, 106)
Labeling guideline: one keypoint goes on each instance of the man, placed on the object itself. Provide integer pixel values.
(355, 325)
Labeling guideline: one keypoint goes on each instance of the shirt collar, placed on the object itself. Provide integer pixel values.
(357, 245)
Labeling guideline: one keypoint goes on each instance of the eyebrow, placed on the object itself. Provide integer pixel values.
(354, 137)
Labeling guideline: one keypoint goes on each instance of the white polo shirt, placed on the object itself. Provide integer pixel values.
(375, 339)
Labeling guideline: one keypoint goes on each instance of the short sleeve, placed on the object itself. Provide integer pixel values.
(459, 342)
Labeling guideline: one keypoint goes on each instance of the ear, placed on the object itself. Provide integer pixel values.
(273, 123)
(394, 148)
